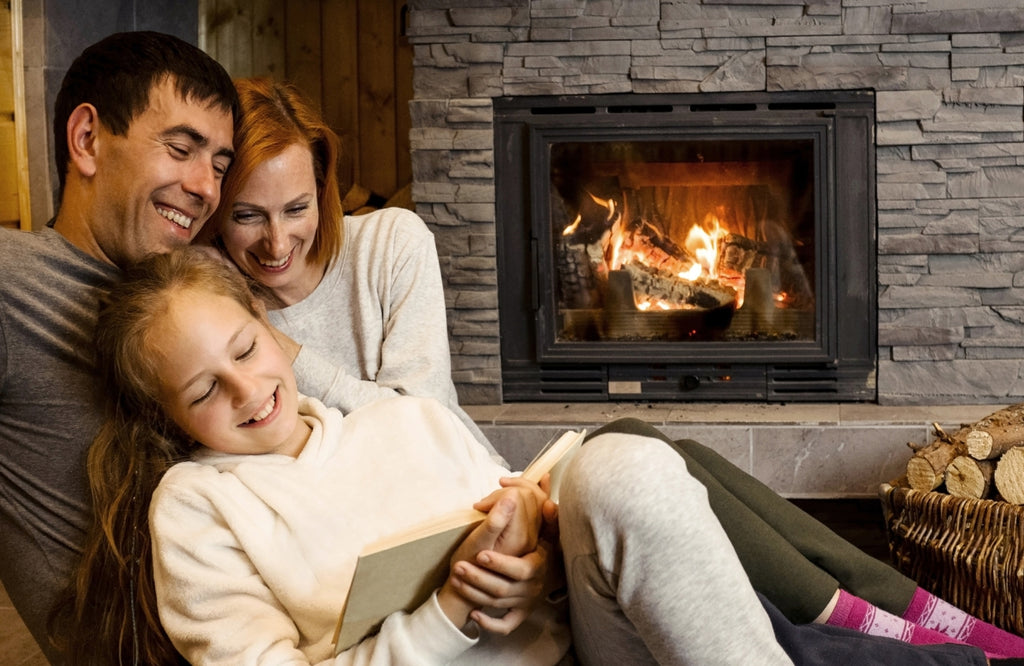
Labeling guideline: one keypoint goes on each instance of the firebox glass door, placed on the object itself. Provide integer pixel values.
(684, 240)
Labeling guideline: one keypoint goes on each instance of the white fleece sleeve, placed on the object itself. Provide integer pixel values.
(217, 609)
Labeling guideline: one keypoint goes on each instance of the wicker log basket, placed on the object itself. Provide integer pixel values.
(967, 551)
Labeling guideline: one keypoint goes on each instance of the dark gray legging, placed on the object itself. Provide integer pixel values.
(791, 558)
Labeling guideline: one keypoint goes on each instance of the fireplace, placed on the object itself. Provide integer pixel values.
(687, 247)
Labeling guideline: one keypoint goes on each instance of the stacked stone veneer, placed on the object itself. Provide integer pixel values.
(950, 150)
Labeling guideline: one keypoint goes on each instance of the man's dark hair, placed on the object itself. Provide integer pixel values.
(116, 75)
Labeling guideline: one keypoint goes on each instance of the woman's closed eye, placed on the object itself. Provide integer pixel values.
(247, 216)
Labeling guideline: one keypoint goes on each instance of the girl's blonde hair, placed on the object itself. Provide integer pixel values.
(111, 610)
(274, 116)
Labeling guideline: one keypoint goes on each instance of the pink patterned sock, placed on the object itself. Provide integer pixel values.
(927, 610)
(855, 613)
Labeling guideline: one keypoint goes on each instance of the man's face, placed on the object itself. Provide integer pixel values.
(158, 183)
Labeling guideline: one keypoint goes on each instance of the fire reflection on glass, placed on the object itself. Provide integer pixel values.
(684, 240)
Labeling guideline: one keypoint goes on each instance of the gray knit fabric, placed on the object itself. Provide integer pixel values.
(49, 412)
(652, 576)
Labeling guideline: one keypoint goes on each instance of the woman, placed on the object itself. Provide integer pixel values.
(362, 295)
(264, 498)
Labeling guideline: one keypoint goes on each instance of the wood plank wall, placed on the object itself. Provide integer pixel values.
(15, 206)
(349, 56)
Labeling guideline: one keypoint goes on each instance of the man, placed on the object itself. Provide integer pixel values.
(143, 128)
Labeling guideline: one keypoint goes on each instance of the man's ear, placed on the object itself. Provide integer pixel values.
(83, 135)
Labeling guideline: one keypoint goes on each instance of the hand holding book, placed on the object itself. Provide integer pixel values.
(402, 571)
(505, 531)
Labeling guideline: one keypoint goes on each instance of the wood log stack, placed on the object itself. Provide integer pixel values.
(982, 460)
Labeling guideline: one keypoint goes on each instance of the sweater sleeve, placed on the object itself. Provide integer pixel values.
(415, 358)
(414, 352)
(217, 609)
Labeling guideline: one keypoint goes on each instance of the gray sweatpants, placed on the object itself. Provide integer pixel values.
(652, 575)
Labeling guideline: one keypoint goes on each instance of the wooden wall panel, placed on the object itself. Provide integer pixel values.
(15, 202)
(376, 168)
(341, 80)
(303, 47)
(348, 56)
(403, 95)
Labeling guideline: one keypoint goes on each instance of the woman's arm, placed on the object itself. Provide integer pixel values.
(397, 280)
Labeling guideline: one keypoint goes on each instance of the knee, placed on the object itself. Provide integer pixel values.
(617, 468)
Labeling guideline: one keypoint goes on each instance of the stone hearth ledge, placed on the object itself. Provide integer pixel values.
(817, 450)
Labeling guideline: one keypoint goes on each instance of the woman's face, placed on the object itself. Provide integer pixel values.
(272, 223)
(224, 379)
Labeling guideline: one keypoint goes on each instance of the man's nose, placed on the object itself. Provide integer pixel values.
(203, 182)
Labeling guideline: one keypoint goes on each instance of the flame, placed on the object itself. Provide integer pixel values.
(704, 244)
(571, 229)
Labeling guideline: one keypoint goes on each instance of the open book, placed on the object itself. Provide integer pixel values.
(400, 572)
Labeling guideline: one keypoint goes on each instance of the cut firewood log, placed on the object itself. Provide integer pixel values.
(992, 442)
(1009, 475)
(926, 469)
(967, 477)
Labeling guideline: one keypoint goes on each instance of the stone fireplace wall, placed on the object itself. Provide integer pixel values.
(950, 151)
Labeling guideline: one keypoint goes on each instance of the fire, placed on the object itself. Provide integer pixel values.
(703, 243)
(625, 245)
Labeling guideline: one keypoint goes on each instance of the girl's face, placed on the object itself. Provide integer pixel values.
(224, 379)
(273, 222)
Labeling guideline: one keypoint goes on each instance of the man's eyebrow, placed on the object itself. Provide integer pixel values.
(197, 137)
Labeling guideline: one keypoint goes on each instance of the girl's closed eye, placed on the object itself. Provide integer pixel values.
(203, 398)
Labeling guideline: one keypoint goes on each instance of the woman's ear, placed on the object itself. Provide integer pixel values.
(82, 138)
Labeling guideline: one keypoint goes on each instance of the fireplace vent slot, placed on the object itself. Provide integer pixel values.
(652, 108)
(717, 108)
(562, 110)
(563, 384)
(801, 106)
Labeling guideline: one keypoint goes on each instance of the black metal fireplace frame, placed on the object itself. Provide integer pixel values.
(838, 365)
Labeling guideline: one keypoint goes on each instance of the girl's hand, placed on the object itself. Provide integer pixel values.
(458, 598)
(506, 580)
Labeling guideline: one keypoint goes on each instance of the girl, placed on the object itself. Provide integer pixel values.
(264, 498)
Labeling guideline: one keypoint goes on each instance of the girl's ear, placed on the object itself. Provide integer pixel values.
(83, 137)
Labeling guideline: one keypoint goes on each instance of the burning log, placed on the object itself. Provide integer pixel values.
(658, 286)
(579, 286)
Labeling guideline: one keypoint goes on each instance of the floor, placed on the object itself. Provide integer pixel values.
(858, 520)
(16, 645)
